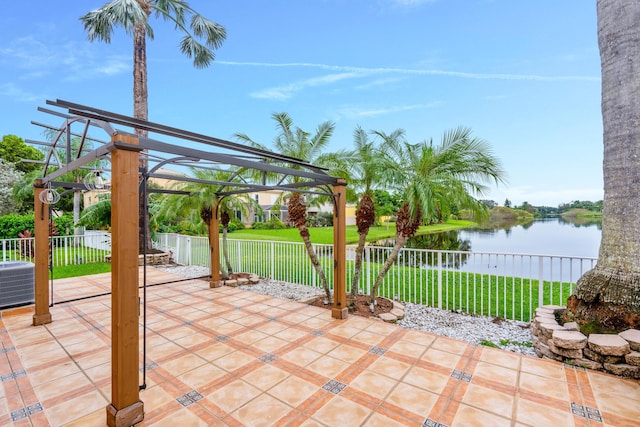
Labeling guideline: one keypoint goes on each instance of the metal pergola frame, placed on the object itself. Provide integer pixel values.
(133, 160)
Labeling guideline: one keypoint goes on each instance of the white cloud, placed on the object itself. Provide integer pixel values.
(287, 91)
(37, 59)
(348, 72)
(10, 90)
(354, 112)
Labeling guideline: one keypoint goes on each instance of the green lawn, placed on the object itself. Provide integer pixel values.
(61, 272)
(324, 235)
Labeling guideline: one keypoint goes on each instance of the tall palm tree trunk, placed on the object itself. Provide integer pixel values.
(610, 293)
(315, 261)
(407, 225)
(400, 241)
(365, 218)
(141, 111)
(225, 253)
(298, 214)
(362, 240)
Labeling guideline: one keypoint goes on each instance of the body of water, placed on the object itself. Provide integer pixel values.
(549, 236)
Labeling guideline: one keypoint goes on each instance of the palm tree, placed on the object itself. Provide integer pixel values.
(202, 198)
(609, 294)
(300, 144)
(201, 38)
(363, 167)
(431, 178)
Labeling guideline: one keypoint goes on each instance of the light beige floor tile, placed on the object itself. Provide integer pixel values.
(233, 361)
(347, 353)
(442, 358)
(333, 413)
(76, 408)
(292, 391)
(543, 368)
(501, 358)
(412, 398)
(265, 377)
(535, 414)
(234, 395)
(53, 388)
(203, 374)
(425, 379)
(489, 400)
(389, 367)
(263, 411)
(302, 356)
(180, 365)
(183, 418)
(328, 366)
(466, 416)
(373, 384)
(450, 345)
(545, 386)
(496, 373)
(379, 420)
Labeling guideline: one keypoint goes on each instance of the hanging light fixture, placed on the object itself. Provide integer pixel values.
(49, 196)
(94, 180)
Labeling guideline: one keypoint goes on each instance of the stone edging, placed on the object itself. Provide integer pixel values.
(396, 313)
(617, 354)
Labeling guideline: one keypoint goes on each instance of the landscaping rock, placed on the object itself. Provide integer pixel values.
(399, 313)
(231, 283)
(398, 305)
(587, 364)
(633, 358)
(243, 281)
(623, 370)
(569, 340)
(388, 317)
(566, 352)
(608, 345)
(546, 329)
(590, 354)
(632, 336)
(571, 326)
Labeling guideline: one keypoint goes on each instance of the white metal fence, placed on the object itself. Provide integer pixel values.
(510, 286)
(502, 285)
(65, 250)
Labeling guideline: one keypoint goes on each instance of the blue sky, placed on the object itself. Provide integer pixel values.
(524, 75)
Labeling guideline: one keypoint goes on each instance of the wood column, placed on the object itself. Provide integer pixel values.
(41, 229)
(340, 310)
(126, 408)
(214, 246)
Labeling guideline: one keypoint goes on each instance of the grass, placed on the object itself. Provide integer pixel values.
(324, 235)
(62, 272)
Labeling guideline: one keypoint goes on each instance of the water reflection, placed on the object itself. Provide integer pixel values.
(575, 237)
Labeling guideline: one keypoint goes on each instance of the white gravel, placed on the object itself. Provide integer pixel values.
(508, 335)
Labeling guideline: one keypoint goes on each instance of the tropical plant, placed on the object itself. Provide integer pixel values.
(8, 176)
(204, 199)
(430, 178)
(609, 294)
(13, 150)
(97, 216)
(295, 142)
(363, 167)
(201, 37)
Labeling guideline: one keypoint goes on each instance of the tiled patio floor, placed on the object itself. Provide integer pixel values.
(228, 357)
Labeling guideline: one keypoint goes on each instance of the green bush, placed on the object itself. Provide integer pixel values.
(273, 224)
(11, 225)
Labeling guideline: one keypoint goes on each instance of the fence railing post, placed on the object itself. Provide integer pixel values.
(540, 282)
(439, 279)
(273, 261)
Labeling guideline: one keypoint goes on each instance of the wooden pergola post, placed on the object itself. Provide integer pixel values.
(41, 283)
(126, 408)
(340, 310)
(214, 246)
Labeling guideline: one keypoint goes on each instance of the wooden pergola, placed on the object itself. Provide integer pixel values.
(124, 150)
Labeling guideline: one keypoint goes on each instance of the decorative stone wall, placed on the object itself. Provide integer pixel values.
(152, 259)
(617, 354)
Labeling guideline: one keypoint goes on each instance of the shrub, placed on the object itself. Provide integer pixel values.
(12, 225)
